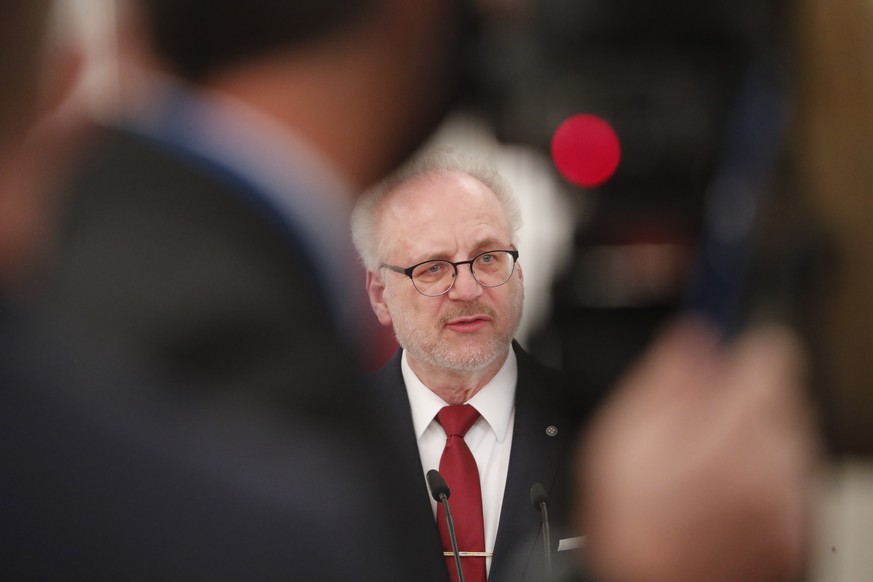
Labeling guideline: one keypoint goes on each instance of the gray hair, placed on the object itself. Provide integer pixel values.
(365, 216)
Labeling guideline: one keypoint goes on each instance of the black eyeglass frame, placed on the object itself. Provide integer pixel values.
(409, 270)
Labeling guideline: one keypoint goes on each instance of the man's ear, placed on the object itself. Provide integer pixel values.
(376, 292)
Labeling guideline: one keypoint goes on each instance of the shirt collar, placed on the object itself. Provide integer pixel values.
(495, 401)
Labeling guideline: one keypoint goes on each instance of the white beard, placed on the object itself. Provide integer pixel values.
(425, 344)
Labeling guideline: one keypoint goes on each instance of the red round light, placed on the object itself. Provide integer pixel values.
(586, 150)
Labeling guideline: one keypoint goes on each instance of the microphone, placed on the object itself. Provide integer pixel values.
(440, 492)
(540, 500)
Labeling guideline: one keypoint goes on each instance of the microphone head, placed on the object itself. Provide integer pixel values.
(437, 484)
(538, 495)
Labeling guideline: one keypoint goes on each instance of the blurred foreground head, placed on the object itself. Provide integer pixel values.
(201, 38)
(339, 71)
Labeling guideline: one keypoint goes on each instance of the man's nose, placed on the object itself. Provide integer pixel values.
(466, 286)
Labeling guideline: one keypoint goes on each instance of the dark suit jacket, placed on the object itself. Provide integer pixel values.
(189, 261)
(176, 263)
(541, 401)
(106, 478)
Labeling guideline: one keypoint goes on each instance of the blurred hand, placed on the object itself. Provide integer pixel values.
(702, 466)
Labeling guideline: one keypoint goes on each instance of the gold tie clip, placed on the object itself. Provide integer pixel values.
(469, 554)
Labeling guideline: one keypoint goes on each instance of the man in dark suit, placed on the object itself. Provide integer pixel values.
(438, 242)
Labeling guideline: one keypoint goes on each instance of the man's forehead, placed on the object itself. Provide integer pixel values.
(439, 214)
(449, 246)
(440, 193)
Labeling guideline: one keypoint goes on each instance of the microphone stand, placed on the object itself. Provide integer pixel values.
(440, 492)
(540, 500)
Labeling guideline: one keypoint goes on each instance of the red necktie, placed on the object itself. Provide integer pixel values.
(458, 468)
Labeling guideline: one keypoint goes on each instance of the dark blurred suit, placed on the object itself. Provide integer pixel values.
(108, 477)
(194, 381)
(183, 259)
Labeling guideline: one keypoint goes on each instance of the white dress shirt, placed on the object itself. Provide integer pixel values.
(489, 439)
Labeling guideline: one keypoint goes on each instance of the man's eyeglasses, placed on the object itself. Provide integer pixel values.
(433, 278)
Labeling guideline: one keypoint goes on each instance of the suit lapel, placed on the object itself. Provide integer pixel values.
(534, 457)
(413, 516)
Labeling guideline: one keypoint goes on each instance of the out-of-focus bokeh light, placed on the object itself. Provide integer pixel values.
(586, 150)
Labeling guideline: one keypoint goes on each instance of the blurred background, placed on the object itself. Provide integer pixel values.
(742, 188)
